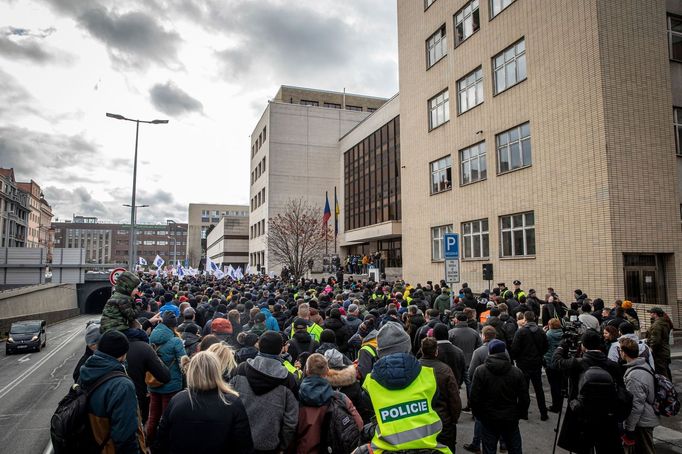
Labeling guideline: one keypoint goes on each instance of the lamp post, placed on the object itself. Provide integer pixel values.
(175, 241)
(134, 233)
(131, 251)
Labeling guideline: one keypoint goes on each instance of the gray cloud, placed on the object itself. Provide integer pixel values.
(24, 44)
(15, 100)
(79, 201)
(171, 100)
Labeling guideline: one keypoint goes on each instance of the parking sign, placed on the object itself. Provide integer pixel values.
(451, 246)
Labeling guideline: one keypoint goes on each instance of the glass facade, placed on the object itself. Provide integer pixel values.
(372, 178)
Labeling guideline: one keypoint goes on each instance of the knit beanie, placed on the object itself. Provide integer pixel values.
(270, 343)
(496, 346)
(221, 326)
(327, 336)
(392, 338)
(92, 334)
(113, 343)
(334, 358)
(168, 319)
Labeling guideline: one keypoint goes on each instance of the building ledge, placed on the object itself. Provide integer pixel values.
(385, 230)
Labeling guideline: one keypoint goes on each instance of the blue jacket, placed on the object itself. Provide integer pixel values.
(170, 307)
(170, 350)
(114, 401)
(553, 339)
(270, 321)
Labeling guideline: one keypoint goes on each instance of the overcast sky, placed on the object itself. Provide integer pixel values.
(207, 66)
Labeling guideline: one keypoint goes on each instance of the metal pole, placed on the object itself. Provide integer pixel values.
(131, 255)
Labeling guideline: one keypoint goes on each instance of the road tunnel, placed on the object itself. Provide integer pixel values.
(94, 303)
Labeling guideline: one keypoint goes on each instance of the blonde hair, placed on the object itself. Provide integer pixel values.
(316, 364)
(304, 310)
(225, 356)
(203, 374)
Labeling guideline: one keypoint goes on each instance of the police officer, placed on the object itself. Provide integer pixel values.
(401, 391)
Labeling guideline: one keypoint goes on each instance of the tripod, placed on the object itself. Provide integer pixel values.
(564, 394)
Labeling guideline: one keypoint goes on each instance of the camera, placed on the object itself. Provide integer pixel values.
(572, 332)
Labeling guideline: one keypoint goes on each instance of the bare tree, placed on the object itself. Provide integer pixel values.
(297, 236)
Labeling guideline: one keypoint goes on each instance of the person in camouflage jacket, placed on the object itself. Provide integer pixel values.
(119, 311)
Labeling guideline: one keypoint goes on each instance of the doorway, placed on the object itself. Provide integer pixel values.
(645, 278)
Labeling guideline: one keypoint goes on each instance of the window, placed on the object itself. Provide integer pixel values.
(467, 22)
(439, 109)
(677, 123)
(371, 109)
(472, 163)
(497, 6)
(475, 239)
(470, 90)
(675, 37)
(332, 105)
(428, 3)
(513, 148)
(265, 133)
(437, 234)
(309, 103)
(509, 66)
(436, 47)
(149, 243)
(441, 175)
(517, 235)
(355, 108)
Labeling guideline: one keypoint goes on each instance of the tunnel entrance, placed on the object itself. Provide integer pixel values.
(94, 304)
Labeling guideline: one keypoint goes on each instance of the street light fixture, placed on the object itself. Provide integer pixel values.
(131, 252)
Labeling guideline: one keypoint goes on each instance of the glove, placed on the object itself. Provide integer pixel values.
(628, 439)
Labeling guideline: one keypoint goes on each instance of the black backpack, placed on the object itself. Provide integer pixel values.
(70, 429)
(599, 396)
(339, 432)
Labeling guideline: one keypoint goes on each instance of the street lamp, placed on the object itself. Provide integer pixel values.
(131, 252)
(134, 232)
(175, 241)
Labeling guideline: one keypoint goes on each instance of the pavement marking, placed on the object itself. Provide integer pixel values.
(23, 359)
(13, 384)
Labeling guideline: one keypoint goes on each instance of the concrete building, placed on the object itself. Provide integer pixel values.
(370, 195)
(15, 209)
(295, 154)
(228, 242)
(541, 132)
(200, 217)
(107, 243)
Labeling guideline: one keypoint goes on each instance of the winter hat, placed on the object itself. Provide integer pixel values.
(591, 340)
(627, 304)
(300, 323)
(247, 339)
(270, 343)
(496, 346)
(334, 358)
(392, 338)
(490, 305)
(259, 318)
(440, 331)
(127, 282)
(335, 313)
(113, 343)
(92, 334)
(328, 336)
(168, 319)
(221, 326)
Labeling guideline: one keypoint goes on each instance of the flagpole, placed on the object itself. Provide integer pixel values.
(336, 219)
(326, 224)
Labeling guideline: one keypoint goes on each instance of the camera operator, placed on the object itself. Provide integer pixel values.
(599, 431)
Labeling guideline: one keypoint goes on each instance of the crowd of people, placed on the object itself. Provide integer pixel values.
(361, 263)
(266, 365)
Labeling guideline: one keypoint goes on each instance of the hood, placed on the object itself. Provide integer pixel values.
(245, 353)
(96, 366)
(136, 335)
(504, 316)
(351, 318)
(371, 336)
(632, 336)
(333, 324)
(396, 371)
(533, 327)
(266, 311)
(555, 333)
(161, 334)
(127, 282)
(638, 362)
(302, 337)
(265, 374)
(314, 391)
(339, 378)
(498, 363)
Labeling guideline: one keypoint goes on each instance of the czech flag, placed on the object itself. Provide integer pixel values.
(327, 211)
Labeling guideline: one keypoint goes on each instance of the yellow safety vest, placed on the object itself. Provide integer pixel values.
(314, 330)
(405, 419)
(290, 367)
(370, 350)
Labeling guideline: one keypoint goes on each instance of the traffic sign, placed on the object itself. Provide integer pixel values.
(452, 271)
(115, 273)
(451, 245)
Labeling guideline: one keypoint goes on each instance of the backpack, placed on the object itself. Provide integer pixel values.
(600, 396)
(70, 429)
(339, 432)
(666, 401)
(633, 321)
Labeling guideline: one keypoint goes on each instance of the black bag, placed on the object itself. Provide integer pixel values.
(340, 434)
(70, 429)
(599, 396)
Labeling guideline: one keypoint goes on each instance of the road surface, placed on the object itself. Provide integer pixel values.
(31, 385)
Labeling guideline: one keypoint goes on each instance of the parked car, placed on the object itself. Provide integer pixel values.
(26, 335)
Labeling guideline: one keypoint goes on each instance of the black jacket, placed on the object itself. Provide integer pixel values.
(340, 330)
(529, 347)
(502, 334)
(141, 359)
(300, 343)
(499, 392)
(453, 357)
(77, 371)
(203, 425)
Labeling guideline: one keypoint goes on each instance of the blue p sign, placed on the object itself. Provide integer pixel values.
(451, 242)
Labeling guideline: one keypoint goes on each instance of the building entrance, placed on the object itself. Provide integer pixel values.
(644, 278)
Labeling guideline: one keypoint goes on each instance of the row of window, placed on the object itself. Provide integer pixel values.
(333, 105)
(257, 258)
(509, 68)
(517, 237)
(258, 171)
(257, 229)
(513, 152)
(496, 6)
(675, 37)
(258, 199)
(145, 232)
(262, 137)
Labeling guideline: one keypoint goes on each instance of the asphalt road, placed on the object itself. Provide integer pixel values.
(31, 385)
